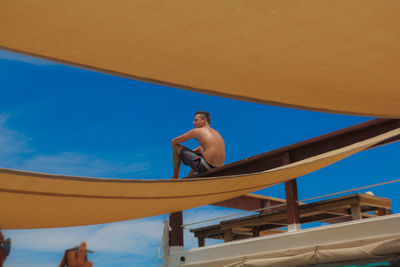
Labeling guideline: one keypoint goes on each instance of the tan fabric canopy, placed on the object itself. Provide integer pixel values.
(382, 248)
(335, 55)
(56, 201)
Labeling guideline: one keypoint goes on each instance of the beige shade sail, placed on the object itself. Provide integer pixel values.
(34, 200)
(338, 56)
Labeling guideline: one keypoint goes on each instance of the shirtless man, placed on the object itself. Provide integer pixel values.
(210, 153)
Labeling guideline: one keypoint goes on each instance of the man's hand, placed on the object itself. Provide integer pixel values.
(77, 260)
(174, 142)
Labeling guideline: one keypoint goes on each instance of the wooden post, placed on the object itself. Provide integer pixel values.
(176, 233)
(383, 212)
(228, 235)
(292, 205)
(356, 211)
(256, 231)
(291, 200)
(201, 241)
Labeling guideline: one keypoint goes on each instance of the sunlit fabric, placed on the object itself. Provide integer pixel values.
(338, 56)
(34, 200)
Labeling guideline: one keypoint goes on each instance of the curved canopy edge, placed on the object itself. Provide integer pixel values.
(45, 201)
(332, 56)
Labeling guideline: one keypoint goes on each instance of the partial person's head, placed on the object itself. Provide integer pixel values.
(201, 119)
(5, 247)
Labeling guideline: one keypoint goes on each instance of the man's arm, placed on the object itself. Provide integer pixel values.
(184, 137)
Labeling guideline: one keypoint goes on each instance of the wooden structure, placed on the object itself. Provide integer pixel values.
(351, 207)
(253, 202)
(286, 155)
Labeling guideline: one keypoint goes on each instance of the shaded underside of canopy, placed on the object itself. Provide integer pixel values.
(34, 200)
(336, 55)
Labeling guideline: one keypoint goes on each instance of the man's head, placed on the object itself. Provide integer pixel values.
(201, 119)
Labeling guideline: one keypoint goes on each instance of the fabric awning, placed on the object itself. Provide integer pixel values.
(385, 248)
(57, 201)
(335, 55)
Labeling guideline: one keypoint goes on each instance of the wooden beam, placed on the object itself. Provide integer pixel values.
(251, 202)
(254, 220)
(256, 231)
(292, 204)
(228, 235)
(318, 217)
(308, 148)
(272, 231)
(331, 211)
(383, 212)
(333, 206)
(242, 233)
(355, 212)
(269, 227)
(339, 211)
(201, 241)
(205, 232)
(176, 233)
(375, 201)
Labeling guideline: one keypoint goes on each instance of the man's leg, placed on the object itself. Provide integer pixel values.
(176, 159)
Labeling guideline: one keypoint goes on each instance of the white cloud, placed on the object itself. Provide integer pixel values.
(202, 214)
(129, 243)
(207, 213)
(12, 143)
(138, 237)
(31, 262)
(15, 152)
(70, 163)
(23, 58)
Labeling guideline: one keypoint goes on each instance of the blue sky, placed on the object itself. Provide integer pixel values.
(65, 120)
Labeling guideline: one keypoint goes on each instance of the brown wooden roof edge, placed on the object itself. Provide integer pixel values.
(251, 202)
(262, 197)
(331, 210)
(358, 197)
(308, 148)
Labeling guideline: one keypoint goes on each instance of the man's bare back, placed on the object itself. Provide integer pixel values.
(212, 145)
(211, 149)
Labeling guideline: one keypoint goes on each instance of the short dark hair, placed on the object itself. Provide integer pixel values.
(204, 115)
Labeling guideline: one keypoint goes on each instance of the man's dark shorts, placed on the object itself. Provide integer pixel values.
(194, 160)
